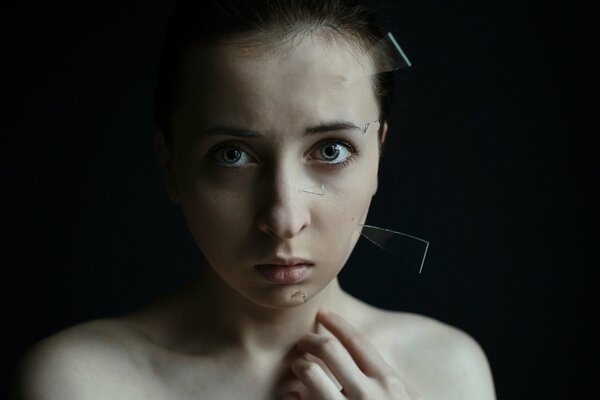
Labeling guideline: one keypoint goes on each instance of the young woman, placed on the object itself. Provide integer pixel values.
(270, 116)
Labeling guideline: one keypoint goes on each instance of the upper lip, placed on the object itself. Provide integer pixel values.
(290, 261)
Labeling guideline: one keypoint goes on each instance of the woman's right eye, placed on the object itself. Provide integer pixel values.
(230, 156)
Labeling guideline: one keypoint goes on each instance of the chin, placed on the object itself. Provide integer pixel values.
(283, 296)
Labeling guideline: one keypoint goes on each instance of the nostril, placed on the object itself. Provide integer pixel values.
(283, 233)
(284, 221)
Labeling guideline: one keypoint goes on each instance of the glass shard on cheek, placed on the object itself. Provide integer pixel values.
(314, 189)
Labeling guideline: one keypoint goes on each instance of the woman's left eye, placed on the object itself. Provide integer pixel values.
(230, 156)
(334, 152)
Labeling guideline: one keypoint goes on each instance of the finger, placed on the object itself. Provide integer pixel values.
(297, 395)
(295, 390)
(291, 396)
(360, 348)
(330, 351)
(312, 375)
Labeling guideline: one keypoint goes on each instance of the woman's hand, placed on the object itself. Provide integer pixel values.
(353, 361)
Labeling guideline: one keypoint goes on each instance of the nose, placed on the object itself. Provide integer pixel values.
(284, 211)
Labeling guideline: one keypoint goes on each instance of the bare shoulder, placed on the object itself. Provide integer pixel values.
(81, 362)
(442, 361)
(435, 359)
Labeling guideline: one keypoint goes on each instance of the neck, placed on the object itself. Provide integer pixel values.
(259, 330)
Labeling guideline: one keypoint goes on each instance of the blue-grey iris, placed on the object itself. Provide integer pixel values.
(330, 152)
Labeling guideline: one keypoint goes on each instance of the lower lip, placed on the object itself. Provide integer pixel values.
(283, 273)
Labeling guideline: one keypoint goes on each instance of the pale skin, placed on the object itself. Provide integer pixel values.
(230, 334)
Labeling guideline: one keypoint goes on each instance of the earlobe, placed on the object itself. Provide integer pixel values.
(164, 153)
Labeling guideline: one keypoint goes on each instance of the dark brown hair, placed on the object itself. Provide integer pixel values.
(265, 22)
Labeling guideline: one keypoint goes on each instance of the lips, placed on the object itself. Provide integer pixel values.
(285, 261)
(284, 270)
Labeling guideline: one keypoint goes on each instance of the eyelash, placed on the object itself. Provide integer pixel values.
(352, 150)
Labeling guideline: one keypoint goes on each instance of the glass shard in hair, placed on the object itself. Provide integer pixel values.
(389, 55)
(403, 61)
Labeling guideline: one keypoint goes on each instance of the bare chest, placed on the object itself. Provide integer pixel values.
(209, 379)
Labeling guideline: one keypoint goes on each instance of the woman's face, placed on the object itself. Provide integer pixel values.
(270, 159)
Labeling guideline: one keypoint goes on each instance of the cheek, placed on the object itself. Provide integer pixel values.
(218, 220)
(338, 219)
(352, 196)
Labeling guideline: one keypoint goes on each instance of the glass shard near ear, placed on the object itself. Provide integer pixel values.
(410, 250)
(374, 126)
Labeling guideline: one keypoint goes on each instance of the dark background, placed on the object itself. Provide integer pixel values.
(486, 159)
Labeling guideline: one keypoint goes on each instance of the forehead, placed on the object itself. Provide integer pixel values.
(311, 77)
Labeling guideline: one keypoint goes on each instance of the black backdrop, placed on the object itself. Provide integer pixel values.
(485, 160)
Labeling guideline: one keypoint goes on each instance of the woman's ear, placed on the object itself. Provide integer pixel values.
(164, 153)
(384, 130)
(382, 135)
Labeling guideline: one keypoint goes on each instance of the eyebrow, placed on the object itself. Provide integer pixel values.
(331, 127)
(231, 131)
(326, 127)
